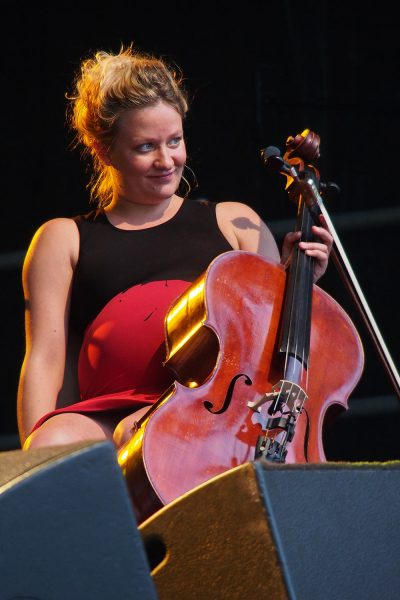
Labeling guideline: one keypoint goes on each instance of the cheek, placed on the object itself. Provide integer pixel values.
(181, 156)
(137, 167)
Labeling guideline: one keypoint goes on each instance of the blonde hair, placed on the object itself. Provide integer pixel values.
(107, 86)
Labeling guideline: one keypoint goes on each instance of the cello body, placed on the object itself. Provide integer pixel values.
(222, 336)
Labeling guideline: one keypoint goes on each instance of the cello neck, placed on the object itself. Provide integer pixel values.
(296, 315)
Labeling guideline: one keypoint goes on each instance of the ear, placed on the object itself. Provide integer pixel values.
(102, 153)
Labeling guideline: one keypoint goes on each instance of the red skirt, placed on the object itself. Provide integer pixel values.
(120, 361)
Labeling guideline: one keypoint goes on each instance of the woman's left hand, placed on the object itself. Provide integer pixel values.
(319, 250)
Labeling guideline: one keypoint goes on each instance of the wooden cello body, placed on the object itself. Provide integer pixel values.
(221, 337)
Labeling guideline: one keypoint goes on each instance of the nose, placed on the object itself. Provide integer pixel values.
(164, 159)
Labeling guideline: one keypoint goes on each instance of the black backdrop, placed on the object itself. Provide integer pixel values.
(255, 73)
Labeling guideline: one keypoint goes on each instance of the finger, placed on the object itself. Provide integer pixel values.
(321, 231)
(323, 222)
(323, 234)
(288, 242)
(290, 239)
(319, 255)
(292, 236)
(319, 251)
(314, 246)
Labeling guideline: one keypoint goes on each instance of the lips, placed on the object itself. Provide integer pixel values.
(164, 176)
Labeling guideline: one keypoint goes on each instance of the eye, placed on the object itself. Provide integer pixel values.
(175, 141)
(147, 147)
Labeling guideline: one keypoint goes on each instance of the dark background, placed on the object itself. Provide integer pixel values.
(255, 74)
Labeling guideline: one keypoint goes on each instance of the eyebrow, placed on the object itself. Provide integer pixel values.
(139, 138)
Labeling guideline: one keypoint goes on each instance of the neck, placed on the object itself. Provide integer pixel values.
(126, 212)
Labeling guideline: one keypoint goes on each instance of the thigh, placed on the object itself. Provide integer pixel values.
(69, 428)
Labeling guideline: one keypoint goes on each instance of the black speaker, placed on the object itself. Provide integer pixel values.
(67, 528)
(306, 532)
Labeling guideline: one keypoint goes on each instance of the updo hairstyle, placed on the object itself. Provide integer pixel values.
(107, 86)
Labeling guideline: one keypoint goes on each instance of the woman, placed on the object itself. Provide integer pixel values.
(98, 286)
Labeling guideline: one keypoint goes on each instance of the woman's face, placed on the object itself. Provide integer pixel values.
(148, 154)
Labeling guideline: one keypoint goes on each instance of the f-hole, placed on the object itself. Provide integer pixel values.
(229, 393)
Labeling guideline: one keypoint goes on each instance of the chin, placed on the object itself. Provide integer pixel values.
(167, 191)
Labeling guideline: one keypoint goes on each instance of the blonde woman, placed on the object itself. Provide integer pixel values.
(97, 286)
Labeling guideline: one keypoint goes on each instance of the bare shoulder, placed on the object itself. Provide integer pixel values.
(231, 210)
(55, 240)
(54, 228)
(242, 224)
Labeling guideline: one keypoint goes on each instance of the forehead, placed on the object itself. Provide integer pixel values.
(160, 119)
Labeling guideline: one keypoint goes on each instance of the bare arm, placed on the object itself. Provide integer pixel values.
(47, 278)
(245, 230)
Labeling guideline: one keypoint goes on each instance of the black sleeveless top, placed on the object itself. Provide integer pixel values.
(112, 260)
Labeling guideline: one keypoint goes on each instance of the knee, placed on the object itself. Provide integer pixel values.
(126, 428)
(47, 436)
(122, 433)
(68, 428)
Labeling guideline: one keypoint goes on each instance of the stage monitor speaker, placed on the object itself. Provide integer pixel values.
(262, 530)
(67, 528)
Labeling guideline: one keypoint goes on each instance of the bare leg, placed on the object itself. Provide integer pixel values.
(123, 431)
(69, 428)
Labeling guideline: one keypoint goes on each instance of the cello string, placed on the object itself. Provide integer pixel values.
(306, 358)
(296, 336)
(300, 213)
(306, 331)
(293, 274)
(310, 268)
(294, 263)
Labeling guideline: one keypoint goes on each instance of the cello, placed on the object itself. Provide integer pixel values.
(260, 354)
